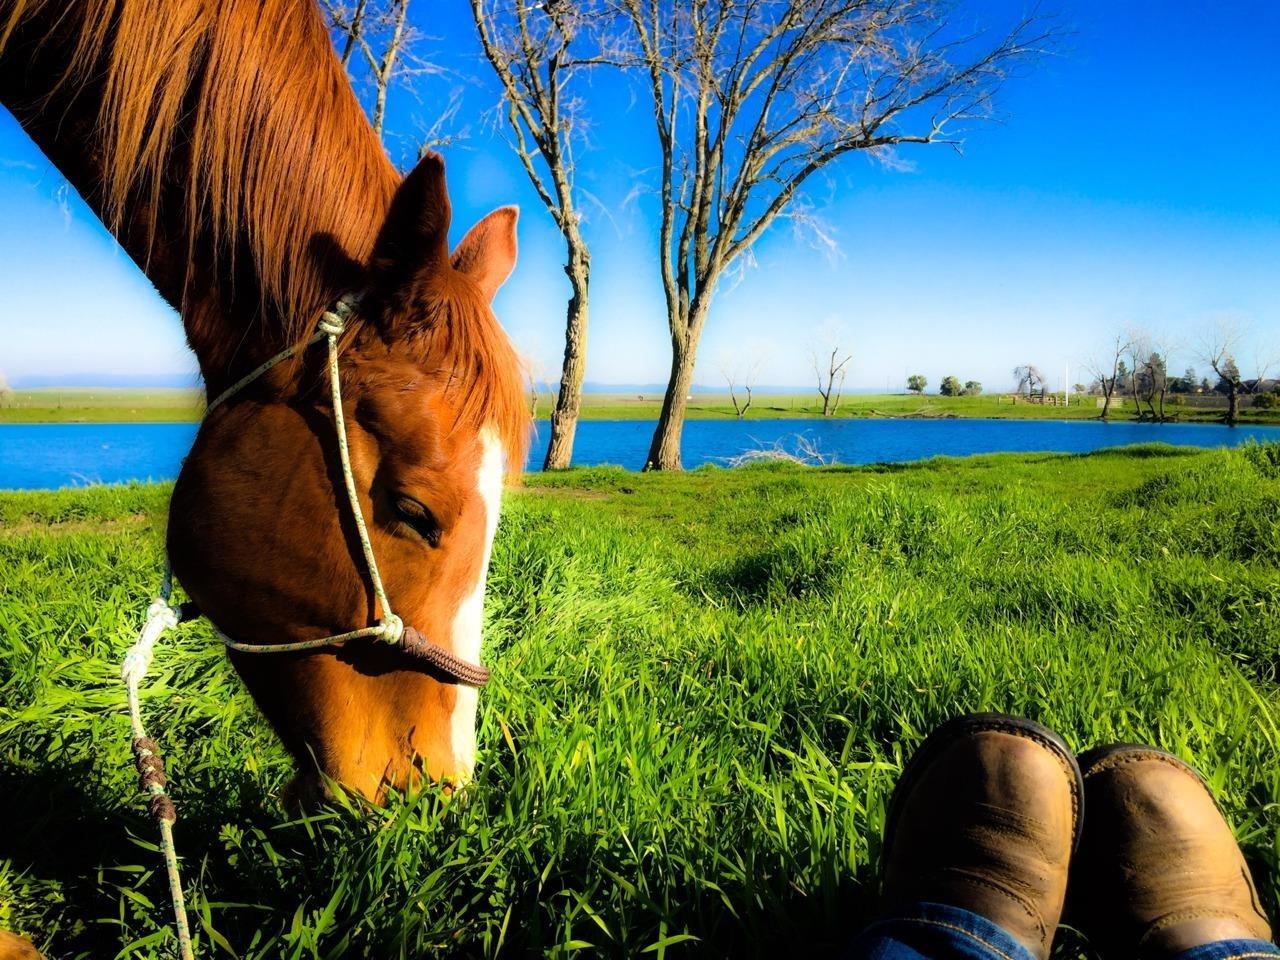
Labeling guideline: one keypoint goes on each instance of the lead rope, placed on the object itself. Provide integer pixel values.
(162, 615)
(146, 754)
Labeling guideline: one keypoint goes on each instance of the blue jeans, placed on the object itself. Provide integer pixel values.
(933, 931)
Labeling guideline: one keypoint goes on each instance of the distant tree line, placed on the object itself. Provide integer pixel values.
(952, 387)
(1134, 367)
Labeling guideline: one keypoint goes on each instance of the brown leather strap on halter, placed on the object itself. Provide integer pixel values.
(408, 639)
(416, 645)
(390, 628)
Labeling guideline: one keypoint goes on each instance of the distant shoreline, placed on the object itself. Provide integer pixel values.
(177, 405)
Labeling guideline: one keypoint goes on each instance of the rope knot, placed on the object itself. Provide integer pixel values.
(331, 324)
(163, 613)
(161, 808)
(392, 628)
(150, 764)
(137, 659)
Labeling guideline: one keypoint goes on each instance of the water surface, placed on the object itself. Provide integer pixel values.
(52, 455)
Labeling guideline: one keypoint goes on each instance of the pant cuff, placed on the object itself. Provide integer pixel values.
(1231, 950)
(938, 929)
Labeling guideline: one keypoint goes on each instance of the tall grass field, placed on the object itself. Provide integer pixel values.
(705, 687)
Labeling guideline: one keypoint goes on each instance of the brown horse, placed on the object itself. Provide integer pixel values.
(220, 141)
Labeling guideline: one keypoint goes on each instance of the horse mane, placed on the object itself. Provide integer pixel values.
(235, 118)
(489, 386)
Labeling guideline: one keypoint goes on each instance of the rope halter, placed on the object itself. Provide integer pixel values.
(162, 616)
(389, 628)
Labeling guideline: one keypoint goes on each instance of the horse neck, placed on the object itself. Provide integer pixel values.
(256, 211)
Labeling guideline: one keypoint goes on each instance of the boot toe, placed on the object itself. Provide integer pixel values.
(985, 818)
(1158, 870)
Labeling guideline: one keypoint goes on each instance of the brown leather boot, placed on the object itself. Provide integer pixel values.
(1158, 870)
(985, 818)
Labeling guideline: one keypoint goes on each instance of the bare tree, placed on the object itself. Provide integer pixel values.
(1219, 353)
(1219, 349)
(1154, 374)
(1154, 378)
(1265, 360)
(805, 452)
(530, 46)
(1139, 351)
(538, 383)
(831, 373)
(748, 378)
(1028, 377)
(379, 30)
(751, 98)
(1106, 370)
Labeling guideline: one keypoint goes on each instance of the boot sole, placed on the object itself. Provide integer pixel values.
(959, 728)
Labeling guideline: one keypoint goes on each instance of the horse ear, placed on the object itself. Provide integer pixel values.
(487, 254)
(414, 238)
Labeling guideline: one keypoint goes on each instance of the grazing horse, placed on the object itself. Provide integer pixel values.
(220, 141)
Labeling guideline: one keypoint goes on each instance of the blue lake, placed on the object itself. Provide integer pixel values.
(44, 456)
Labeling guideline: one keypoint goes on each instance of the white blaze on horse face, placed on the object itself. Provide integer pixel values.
(469, 620)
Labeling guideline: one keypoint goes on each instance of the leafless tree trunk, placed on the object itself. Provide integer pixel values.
(1219, 349)
(353, 27)
(750, 98)
(1158, 371)
(1233, 389)
(380, 31)
(831, 380)
(530, 45)
(385, 67)
(1107, 370)
(536, 384)
(1028, 375)
(748, 385)
(1147, 387)
(1139, 350)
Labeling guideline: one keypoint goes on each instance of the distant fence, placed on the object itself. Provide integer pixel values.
(1200, 401)
(1037, 399)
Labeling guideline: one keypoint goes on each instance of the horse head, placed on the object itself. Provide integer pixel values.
(261, 537)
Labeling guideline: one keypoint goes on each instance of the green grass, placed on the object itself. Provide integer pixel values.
(99, 405)
(704, 689)
(102, 405)
(712, 406)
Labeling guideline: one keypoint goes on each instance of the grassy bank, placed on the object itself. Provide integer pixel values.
(704, 689)
(711, 406)
(102, 405)
(94, 405)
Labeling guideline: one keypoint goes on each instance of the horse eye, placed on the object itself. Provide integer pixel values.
(418, 518)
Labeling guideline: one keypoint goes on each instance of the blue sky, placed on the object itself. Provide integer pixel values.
(1132, 182)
